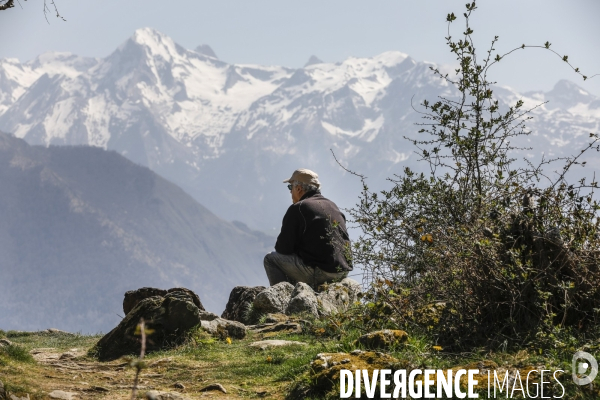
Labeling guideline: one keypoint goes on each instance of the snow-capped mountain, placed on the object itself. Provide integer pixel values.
(230, 133)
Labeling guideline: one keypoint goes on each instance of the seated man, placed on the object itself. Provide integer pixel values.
(313, 246)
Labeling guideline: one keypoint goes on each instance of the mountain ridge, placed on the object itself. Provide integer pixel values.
(82, 225)
(199, 121)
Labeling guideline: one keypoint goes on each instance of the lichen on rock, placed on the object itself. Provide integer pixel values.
(383, 339)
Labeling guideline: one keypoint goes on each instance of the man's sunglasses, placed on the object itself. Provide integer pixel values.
(290, 187)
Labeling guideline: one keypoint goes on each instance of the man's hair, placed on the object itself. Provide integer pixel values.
(306, 187)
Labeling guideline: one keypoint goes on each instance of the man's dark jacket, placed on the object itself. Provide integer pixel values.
(315, 229)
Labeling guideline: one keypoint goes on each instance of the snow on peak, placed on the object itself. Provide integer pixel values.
(156, 43)
(61, 63)
(567, 95)
(390, 58)
(149, 37)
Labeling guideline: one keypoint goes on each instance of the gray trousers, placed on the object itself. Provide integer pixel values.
(290, 268)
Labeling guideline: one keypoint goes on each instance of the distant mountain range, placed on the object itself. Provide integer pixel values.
(79, 226)
(230, 133)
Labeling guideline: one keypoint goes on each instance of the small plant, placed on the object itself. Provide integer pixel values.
(252, 315)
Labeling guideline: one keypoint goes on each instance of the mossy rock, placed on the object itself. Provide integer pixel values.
(383, 339)
(168, 319)
(323, 377)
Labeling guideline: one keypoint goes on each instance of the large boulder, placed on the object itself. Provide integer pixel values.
(239, 306)
(169, 318)
(133, 297)
(274, 299)
(304, 300)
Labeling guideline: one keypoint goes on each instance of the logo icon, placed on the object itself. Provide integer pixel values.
(585, 368)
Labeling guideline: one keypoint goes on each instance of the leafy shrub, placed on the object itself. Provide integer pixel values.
(482, 250)
(16, 353)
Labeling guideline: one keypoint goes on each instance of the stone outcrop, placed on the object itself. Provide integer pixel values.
(283, 298)
(240, 303)
(169, 318)
(133, 297)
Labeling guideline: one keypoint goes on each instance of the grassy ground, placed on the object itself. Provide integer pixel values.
(245, 372)
(39, 363)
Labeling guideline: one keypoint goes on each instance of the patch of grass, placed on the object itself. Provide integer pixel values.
(248, 372)
(17, 353)
(22, 390)
(61, 342)
(15, 334)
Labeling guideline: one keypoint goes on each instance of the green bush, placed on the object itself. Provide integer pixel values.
(482, 250)
(16, 353)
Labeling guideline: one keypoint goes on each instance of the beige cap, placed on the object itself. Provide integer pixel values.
(305, 176)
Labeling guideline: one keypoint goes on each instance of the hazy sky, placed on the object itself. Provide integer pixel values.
(288, 33)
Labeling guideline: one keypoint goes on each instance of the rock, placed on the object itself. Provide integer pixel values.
(304, 300)
(54, 331)
(208, 316)
(156, 395)
(265, 344)
(13, 397)
(274, 299)
(133, 297)
(61, 395)
(239, 305)
(225, 328)
(275, 318)
(68, 355)
(214, 386)
(170, 317)
(190, 293)
(5, 343)
(179, 385)
(338, 297)
(99, 389)
(383, 339)
(325, 369)
(288, 327)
